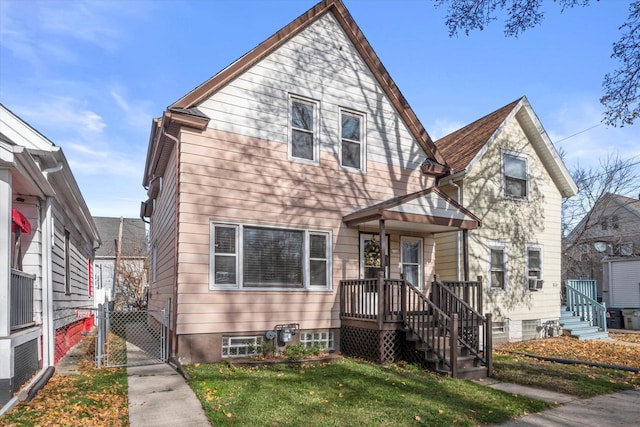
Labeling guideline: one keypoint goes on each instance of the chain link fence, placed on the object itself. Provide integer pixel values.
(131, 337)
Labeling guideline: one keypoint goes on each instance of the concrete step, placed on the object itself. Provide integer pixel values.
(593, 336)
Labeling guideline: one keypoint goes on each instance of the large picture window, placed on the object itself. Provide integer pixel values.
(352, 140)
(303, 139)
(256, 257)
(515, 176)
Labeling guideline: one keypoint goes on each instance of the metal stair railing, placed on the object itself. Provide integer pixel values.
(580, 299)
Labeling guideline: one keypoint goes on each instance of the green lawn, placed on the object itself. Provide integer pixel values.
(578, 380)
(348, 393)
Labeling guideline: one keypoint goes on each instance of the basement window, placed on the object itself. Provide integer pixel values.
(241, 346)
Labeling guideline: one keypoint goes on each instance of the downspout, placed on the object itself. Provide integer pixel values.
(48, 239)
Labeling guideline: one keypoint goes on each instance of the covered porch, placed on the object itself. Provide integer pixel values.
(436, 324)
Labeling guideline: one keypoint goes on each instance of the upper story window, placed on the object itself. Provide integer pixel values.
(614, 222)
(604, 225)
(256, 257)
(304, 135)
(515, 178)
(352, 140)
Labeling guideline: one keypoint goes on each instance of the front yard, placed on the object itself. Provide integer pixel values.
(348, 392)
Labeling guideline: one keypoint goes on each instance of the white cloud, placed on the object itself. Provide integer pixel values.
(443, 127)
(63, 114)
(136, 113)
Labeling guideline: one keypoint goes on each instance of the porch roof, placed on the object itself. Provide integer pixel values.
(428, 210)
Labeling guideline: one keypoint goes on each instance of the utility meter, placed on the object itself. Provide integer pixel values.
(286, 334)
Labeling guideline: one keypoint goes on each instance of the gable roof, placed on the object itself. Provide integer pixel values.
(133, 236)
(632, 205)
(459, 148)
(346, 21)
(463, 148)
(429, 210)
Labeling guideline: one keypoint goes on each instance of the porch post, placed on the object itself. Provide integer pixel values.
(465, 254)
(5, 255)
(383, 248)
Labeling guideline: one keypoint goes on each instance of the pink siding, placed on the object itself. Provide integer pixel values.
(225, 176)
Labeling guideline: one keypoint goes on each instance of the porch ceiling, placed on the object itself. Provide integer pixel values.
(427, 211)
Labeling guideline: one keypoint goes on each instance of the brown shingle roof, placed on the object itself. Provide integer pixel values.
(459, 148)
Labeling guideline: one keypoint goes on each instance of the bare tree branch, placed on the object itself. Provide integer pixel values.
(621, 87)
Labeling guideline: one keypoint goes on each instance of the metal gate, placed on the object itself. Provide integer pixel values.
(132, 337)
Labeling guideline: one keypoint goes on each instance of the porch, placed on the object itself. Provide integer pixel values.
(388, 320)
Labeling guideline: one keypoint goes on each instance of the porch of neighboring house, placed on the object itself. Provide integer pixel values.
(440, 327)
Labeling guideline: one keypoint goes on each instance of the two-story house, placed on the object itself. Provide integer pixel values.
(47, 240)
(506, 170)
(605, 247)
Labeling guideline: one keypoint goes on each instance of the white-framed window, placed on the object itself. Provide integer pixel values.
(352, 140)
(515, 177)
(411, 260)
(534, 263)
(247, 256)
(323, 339)
(241, 346)
(303, 130)
(497, 266)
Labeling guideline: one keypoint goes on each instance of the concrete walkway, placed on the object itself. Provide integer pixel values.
(159, 396)
(617, 409)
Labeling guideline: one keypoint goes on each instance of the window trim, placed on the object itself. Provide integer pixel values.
(316, 140)
(527, 248)
(493, 245)
(520, 156)
(67, 262)
(420, 241)
(362, 142)
(306, 270)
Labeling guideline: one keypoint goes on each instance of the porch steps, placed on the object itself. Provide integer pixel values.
(468, 365)
(574, 326)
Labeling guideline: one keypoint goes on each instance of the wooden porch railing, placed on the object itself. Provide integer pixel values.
(474, 329)
(441, 322)
(21, 300)
(581, 300)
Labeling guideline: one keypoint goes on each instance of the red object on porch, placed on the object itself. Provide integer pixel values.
(20, 222)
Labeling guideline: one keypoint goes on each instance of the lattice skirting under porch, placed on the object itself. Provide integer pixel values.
(378, 346)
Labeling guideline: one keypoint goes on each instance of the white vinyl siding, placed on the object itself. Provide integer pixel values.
(247, 256)
(320, 64)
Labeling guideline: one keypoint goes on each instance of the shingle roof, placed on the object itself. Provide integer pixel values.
(459, 148)
(134, 236)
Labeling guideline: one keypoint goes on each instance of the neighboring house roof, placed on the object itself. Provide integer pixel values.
(342, 15)
(463, 148)
(134, 236)
(602, 205)
(24, 147)
(632, 205)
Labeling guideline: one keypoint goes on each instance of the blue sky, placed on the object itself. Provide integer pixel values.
(90, 75)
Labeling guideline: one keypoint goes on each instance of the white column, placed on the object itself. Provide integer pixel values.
(48, 337)
(5, 278)
(5, 252)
